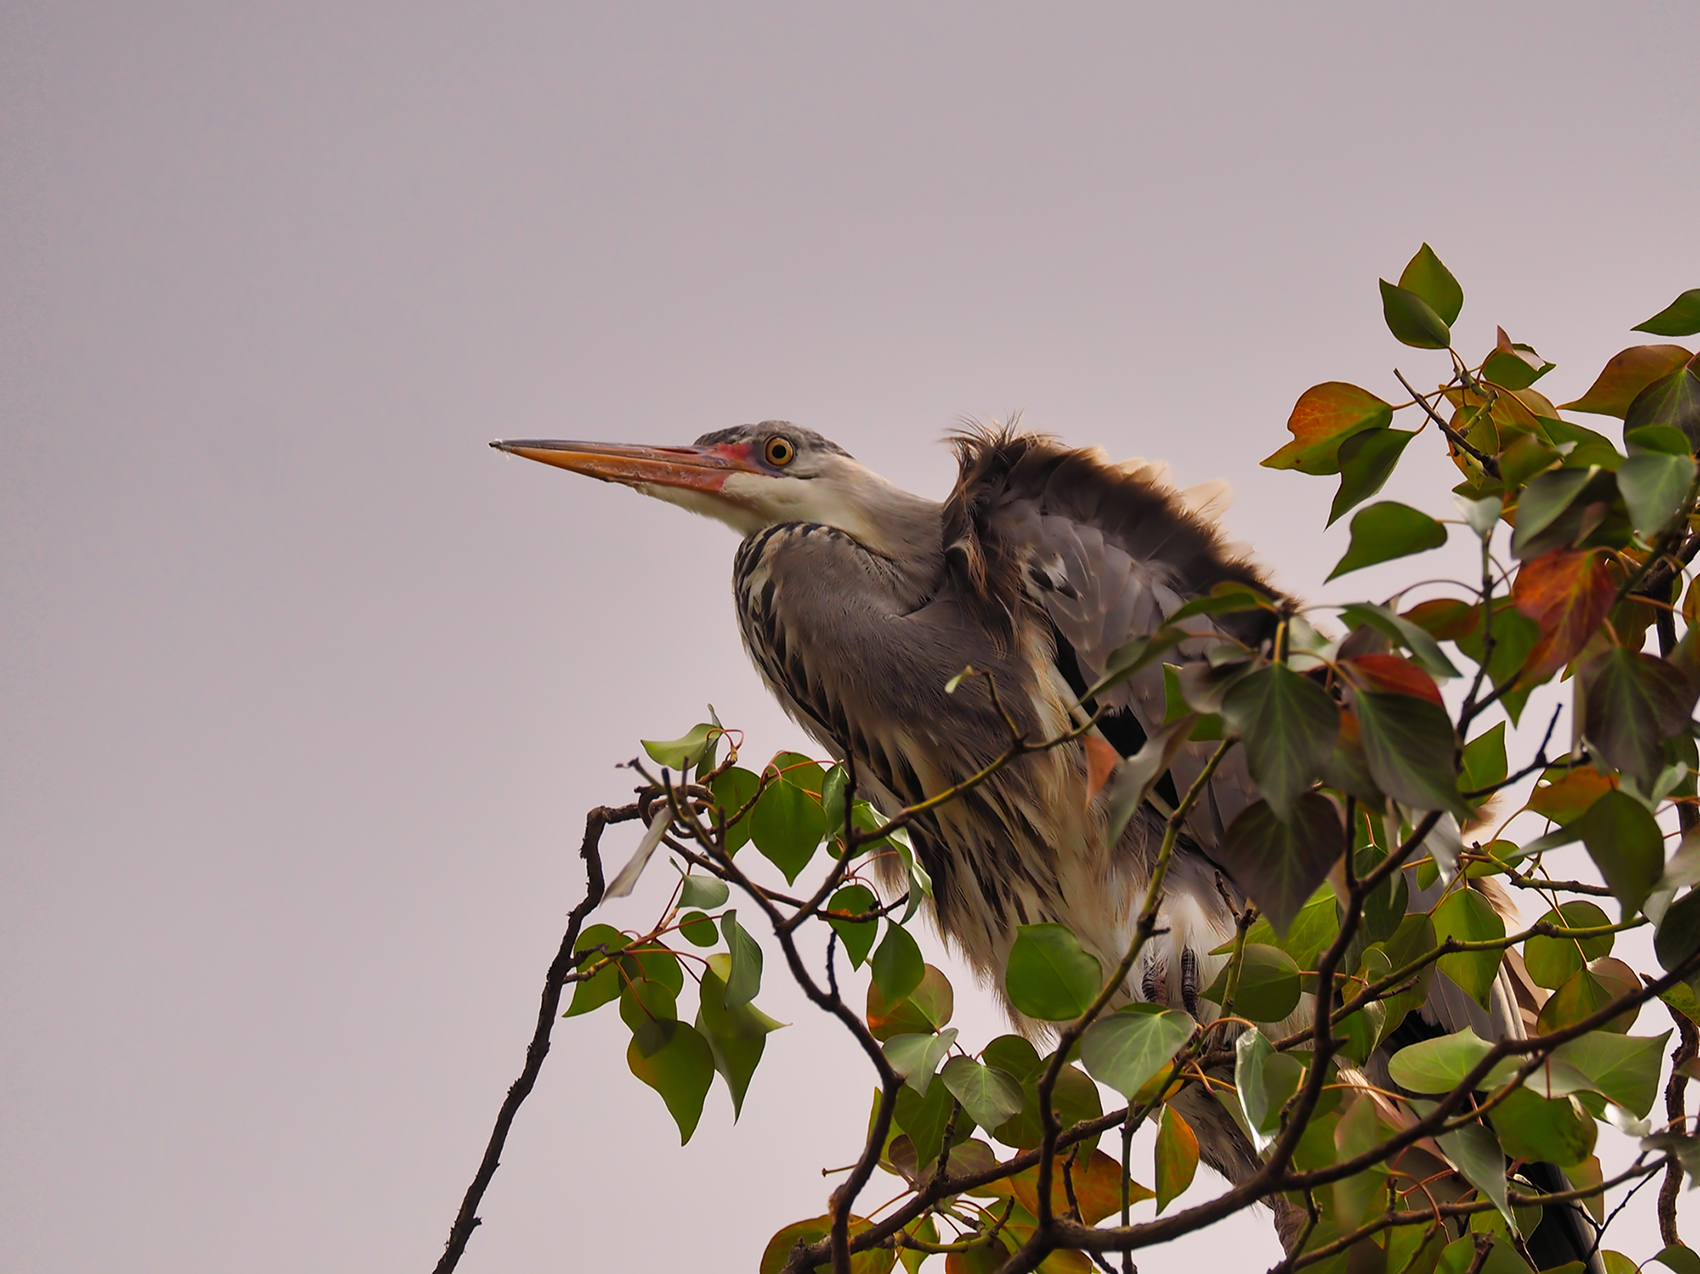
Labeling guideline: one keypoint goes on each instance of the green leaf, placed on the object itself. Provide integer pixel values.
(647, 1008)
(736, 1037)
(1665, 439)
(652, 962)
(1311, 933)
(604, 985)
(1177, 1156)
(926, 1008)
(1552, 962)
(1633, 702)
(1680, 998)
(1543, 500)
(1050, 976)
(1268, 988)
(1358, 1131)
(698, 929)
(744, 980)
(1227, 598)
(1015, 1056)
(1130, 657)
(1626, 845)
(1408, 743)
(834, 788)
(703, 892)
(1679, 931)
(1680, 318)
(1423, 647)
(1386, 531)
(1128, 1048)
(1287, 725)
(1459, 1256)
(927, 1230)
(1438, 1065)
(1514, 366)
(732, 789)
(923, 1117)
(1544, 1130)
(1672, 400)
(681, 1069)
(774, 1257)
(1625, 376)
(897, 967)
(1581, 996)
(1322, 419)
(1264, 1080)
(856, 935)
(1653, 486)
(676, 754)
(788, 823)
(1433, 282)
(1484, 760)
(1278, 863)
(989, 1095)
(1475, 1152)
(1412, 320)
(1466, 915)
(1413, 939)
(1139, 773)
(1679, 1257)
(1367, 460)
(917, 1057)
(1623, 1068)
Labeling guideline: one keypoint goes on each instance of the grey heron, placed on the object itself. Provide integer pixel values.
(858, 601)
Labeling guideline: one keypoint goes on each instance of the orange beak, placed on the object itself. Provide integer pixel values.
(699, 468)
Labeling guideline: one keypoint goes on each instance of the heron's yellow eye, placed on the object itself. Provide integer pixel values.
(780, 452)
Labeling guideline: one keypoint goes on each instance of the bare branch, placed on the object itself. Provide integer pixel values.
(467, 1220)
(1676, 1111)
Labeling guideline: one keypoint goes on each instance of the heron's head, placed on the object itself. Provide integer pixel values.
(750, 477)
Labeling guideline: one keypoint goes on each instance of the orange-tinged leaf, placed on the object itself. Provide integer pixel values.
(1097, 1187)
(778, 1250)
(1626, 376)
(1569, 593)
(1177, 1156)
(1445, 618)
(1537, 403)
(1324, 417)
(1101, 758)
(981, 1260)
(1394, 675)
(1571, 797)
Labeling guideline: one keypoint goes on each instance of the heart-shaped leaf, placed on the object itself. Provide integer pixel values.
(1128, 1048)
(1050, 976)
(1386, 531)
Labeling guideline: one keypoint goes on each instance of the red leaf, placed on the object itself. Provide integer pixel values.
(1569, 593)
(1445, 618)
(1394, 675)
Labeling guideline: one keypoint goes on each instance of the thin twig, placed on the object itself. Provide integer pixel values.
(467, 1219)
(1488, 463)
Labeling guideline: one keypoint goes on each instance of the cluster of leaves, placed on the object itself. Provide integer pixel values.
(1362, 901)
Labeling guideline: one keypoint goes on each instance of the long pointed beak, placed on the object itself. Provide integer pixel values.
(699, 468)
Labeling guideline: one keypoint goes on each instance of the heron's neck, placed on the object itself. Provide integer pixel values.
(905, 530)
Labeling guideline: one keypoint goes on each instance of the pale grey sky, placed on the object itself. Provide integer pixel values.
(303, 691)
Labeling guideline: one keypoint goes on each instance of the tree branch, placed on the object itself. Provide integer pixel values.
(467, 1219)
